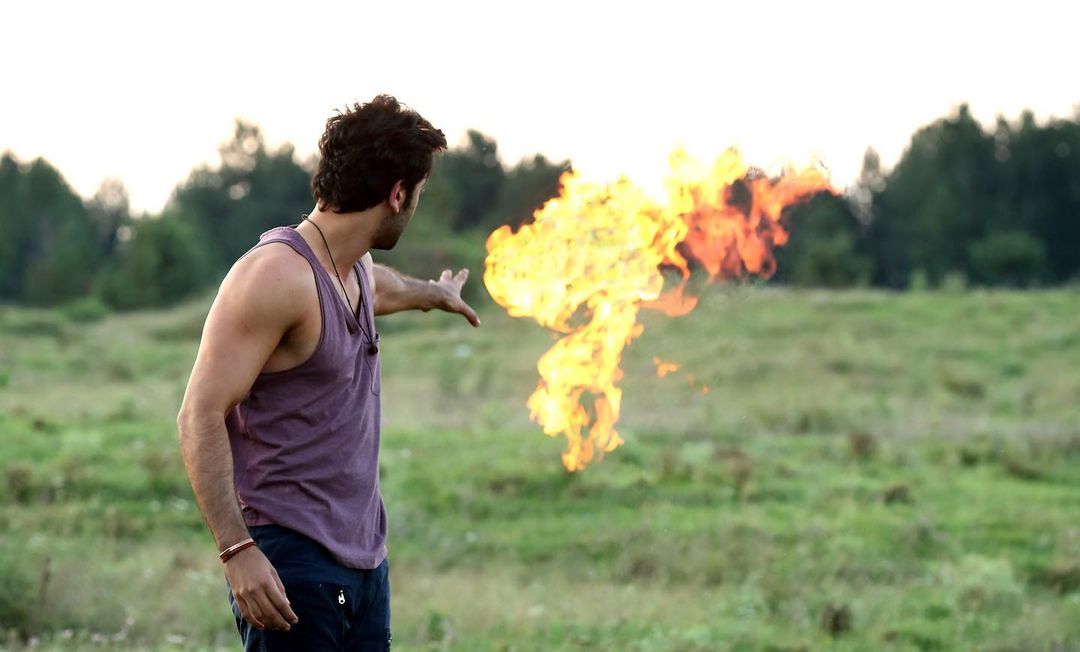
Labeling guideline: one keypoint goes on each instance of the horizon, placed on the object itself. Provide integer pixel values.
(807, 87)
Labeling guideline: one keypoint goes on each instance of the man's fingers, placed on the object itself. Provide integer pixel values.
(269, 613)
(458, 280)
(281, 602)
(249, 611)
(451, 294)
(290, 615)
(277, 580)
(469, 313)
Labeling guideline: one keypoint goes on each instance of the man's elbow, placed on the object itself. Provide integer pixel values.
(183, 422)
(190, 417)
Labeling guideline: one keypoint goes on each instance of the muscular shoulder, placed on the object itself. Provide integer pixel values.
(260, 301)
(271, 282)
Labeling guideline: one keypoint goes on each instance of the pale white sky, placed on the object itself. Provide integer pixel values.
(145, 91)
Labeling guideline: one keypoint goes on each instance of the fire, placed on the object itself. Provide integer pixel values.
(592, 258)
(664, 368)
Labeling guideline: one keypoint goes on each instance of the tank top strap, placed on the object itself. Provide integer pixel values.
(369, 297)
(327, 289)
(292, 237)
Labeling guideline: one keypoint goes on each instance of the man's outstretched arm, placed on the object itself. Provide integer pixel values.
(395, 292)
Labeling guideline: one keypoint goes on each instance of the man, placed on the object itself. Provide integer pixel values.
(279, 426)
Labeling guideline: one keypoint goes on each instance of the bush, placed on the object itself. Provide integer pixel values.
(16, 588)
(160, 263)
(831, 261)
(918, 280)
(954, 281)
(1008, 258)
(86, 310)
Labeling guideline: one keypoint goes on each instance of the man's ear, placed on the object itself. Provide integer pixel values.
(397, 196)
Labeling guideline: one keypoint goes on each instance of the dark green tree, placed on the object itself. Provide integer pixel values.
(48, 254)
(159, 261)
(252, 189)
(937, 200)
(477, 177)
(527, 187)
(18, 230)
(1042, 189)
(826, 247)
(108, 210)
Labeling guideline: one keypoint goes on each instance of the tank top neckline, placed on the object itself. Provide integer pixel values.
(352, 321)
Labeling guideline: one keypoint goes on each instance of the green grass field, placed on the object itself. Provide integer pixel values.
(870, 471)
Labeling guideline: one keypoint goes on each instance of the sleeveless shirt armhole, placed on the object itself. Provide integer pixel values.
(367, 282)
(360, 264)
(322, 312)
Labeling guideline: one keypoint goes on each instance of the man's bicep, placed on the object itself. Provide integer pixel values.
(246, 322)
(386, 286)
(392, 291)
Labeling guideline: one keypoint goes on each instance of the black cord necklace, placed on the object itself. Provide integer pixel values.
(372, 346)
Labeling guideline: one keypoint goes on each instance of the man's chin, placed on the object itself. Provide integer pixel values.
(385, 244)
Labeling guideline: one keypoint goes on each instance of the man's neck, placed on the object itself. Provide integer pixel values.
(348, 236)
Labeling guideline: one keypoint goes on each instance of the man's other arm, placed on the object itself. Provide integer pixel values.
(259, 301)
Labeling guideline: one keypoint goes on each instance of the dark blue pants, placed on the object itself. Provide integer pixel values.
(338, 609)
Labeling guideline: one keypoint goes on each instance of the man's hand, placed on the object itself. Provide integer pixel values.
(258, 590)
(449, 295)
(395, 292)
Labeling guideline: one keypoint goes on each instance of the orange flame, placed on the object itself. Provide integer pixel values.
(664, 368)
(592, 257)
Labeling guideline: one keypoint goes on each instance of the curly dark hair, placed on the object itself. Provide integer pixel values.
(367, 148)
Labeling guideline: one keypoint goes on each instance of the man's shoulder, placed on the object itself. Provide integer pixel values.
(272, 276)
(278, 259)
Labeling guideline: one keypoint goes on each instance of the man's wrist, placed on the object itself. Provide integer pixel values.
(233, 536)
(430, 296)
(231, 551)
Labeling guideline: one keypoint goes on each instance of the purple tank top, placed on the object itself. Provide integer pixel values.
(305, 441)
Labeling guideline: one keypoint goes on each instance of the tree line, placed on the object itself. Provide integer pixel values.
(964, 205)
(57, 248)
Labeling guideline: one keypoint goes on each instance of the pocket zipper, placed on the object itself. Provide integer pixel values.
(344, 616)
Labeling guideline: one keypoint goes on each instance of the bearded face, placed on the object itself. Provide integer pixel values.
(393, 225)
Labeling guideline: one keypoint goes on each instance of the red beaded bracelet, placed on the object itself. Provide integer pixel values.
(229, 552)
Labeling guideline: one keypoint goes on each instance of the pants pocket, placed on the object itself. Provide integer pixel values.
(370, 627)
(322, 620)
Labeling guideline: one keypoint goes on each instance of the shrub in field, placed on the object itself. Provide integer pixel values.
(862, 446)
(1063, 577)
(1008, 258)
(37, 323)
(85, 310)
(19, 482)
(16, 590)
(979, 583)
(836, 619)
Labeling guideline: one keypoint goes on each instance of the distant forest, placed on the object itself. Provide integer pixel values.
(963, 206)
